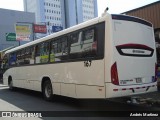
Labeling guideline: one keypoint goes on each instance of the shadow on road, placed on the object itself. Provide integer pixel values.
(36, 102)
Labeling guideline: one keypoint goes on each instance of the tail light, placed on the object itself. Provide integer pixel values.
(114, 74)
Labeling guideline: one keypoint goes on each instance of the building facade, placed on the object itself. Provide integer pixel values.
(61, 13)
(150, 13)
(7, 26)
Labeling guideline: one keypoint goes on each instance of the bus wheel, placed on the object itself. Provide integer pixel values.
(10, 84)
(47, 90)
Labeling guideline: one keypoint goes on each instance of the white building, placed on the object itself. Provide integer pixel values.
(61, 13)
(88, 7)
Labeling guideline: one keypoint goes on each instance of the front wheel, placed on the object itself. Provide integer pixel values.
(47, 91)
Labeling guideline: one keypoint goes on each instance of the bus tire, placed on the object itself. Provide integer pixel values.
(10, 84)
(47, 90)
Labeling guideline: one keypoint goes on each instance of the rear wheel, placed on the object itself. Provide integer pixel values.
(47, 90)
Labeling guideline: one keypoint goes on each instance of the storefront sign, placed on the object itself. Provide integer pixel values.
(56, 28)
(23, 31)
(40, 28)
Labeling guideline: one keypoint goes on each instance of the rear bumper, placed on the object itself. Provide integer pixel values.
(113, 91)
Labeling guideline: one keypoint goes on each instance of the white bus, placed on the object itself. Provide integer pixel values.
(106, 57)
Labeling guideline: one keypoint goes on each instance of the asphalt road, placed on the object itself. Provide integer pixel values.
(63, 107)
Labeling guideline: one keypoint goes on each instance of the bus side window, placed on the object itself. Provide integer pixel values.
(64, 48)
(76, 45)
(53, 46)
(29, 59)
(74, 38)
(18, 57)
(32, 55)
(90, 44)
(44, 52)
(37, 54)
(4, 64)
(12, 59)
(60, 50)
(83, 44)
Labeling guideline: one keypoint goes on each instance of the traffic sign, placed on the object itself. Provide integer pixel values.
(57, 28)
(10, 36)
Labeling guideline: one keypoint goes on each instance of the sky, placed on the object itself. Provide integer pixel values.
(115, 6)
(120, 6)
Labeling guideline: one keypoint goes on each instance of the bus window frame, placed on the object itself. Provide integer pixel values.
(99, 55)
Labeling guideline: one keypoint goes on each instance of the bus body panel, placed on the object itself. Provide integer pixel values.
(133, 53)
(134, 72)
(67, 78)
(113, 91)
(127, 32)
(85, 91)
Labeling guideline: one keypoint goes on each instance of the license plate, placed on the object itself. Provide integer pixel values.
(138, 80)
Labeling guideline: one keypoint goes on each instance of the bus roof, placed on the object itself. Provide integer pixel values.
(7, 49)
